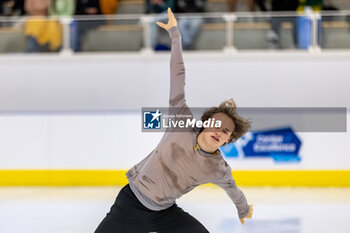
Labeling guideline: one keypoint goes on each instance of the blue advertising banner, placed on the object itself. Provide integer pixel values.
(282, 145)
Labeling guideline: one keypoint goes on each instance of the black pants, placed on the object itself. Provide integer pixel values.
(128, 215)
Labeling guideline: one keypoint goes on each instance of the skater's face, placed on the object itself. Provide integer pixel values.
(218, 136)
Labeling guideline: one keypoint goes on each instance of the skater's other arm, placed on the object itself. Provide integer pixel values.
(177, 67)
(237, 196)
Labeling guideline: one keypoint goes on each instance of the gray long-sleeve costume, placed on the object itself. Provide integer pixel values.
(174, 167)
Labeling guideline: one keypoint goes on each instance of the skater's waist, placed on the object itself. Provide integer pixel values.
(147, 201)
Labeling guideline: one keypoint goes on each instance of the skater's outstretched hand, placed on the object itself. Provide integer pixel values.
(171, 22)
(249, 215)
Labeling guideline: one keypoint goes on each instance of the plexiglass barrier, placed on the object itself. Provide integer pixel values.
(200, 32)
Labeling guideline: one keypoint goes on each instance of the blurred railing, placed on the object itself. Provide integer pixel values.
(226, 32)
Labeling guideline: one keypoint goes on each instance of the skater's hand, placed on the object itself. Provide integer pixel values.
(171, 22)
(249, 215)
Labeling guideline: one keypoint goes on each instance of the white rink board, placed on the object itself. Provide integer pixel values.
(131, 81)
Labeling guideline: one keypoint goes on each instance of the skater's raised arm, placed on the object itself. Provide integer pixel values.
(177, 68)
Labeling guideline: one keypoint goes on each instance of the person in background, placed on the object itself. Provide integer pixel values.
(109, 7)
(273, 36)
(61, 7)
(6, 7)
(18, 8)
(158, 7)
(43, 34)
(11, 8)
(316, 5)
(329, 6)
(5, 10)
(88, 7)
(82, 27)
(189, 26)
(261, 4)
(1, 7)
(232, 5)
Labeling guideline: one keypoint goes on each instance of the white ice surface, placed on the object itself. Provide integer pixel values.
(276, 210)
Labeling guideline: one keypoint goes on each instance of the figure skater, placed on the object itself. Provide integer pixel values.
(180, 162)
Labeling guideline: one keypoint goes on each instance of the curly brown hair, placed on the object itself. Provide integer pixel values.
(229, 108)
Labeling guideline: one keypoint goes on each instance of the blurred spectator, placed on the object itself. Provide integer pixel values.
(232, 5)
(62, 7)
(109, 7)
(6, 7)
(316, 5)
(88, 7)
(3, 12)
(273, 36)
(18, 8)
(37, 7)
(261, 4)
(189, 26)
(43, 34)
(1, 7)
(284, 5)
(329, 6)
(83, 26)
(158, 7)
(11, 7)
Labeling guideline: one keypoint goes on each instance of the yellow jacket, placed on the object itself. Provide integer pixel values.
(45, 31)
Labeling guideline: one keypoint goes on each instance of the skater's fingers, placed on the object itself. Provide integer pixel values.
(170, 12)
(242, 220)
(162, 25)
(172, 19)
(250, 214)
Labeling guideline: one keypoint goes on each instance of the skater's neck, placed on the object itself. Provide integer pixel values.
(204, 146)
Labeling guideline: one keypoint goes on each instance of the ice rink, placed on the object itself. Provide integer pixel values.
(73, 122)
(276, 210)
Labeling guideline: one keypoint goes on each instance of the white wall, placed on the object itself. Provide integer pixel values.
(96, 82)
(37, 139)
